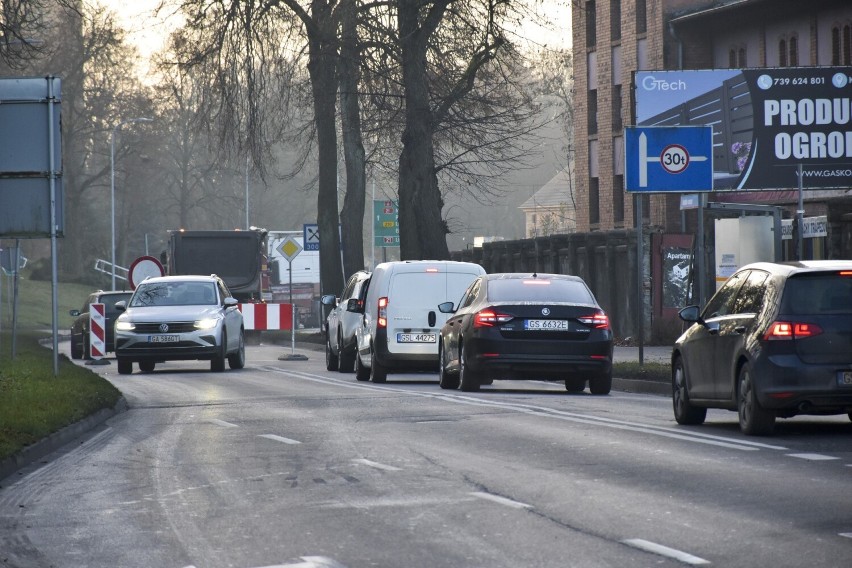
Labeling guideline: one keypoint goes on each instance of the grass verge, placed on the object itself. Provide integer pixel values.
(649, 371)
(34, 403)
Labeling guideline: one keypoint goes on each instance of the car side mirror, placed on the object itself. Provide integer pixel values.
(446, 308)
(121, 306)
(229, 302)
(691, 314)
(74, 313)
(329, 300)
(355, 305)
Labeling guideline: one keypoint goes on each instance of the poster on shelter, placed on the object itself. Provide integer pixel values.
(765, 122)
(677, 263)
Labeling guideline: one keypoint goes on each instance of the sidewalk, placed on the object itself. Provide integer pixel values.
(650, 354)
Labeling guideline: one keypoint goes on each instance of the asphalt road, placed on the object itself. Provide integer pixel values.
(286, 464)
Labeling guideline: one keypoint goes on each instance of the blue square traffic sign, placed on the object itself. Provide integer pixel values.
(668, 159)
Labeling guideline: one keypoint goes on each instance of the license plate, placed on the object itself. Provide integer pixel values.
(415, 338)
(845, 379)
(546, 325)
(164, 338)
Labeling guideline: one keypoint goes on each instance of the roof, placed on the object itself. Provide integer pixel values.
(795, 267)
(555, 193)
(722, 7)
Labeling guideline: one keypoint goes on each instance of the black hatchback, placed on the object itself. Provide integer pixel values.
(774, 341)
(526, 326)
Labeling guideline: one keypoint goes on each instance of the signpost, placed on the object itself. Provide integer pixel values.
(385, 223)
(290, 249)
(668, 159)
(142, 268)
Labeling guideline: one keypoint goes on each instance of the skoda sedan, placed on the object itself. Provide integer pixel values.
(526, 326)
(774, 341)
(179, 318)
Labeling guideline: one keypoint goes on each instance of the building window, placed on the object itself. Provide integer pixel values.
(593, 112)
(794, 51)
(737, 58)
(616, 65)
(591, 24)
(618, 199)
(593, 158)
(732, 59)
(847, 45)
(592, 67)
(617, 121)
(782, 53)
(741, 58)
(594, 202)
(642, 54)
(641, 17)
(615, 19)
(835, 45)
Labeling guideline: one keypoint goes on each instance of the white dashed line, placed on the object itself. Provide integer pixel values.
(376, 465)
(813, 457)
(845, 535)
(218, 422)
(279, 439)
(661, 550)
(501, 500)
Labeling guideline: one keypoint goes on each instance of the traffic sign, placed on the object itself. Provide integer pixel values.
(385, 223)
(668, 158)
(97, 331)
(310, 236)
(289, 248)
(142, 268)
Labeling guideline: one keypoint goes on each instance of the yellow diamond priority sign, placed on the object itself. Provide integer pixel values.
(290, 248)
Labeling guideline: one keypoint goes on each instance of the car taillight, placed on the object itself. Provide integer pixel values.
(791, 330)
(489, 318)
(597, 320)
(383, 312)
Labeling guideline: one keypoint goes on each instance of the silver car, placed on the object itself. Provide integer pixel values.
(179, 318)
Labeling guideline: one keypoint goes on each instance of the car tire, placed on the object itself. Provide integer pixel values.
(125, 366)
(378, 372)
(237, 360)
(76, 349)
(345, 360)
(330, 357)
(754, 419)
(362, 373)
(685, 413)
(573, 384)
(601, 384)
(217, 363)
(446, 380)
(469, 380)
(147, 366)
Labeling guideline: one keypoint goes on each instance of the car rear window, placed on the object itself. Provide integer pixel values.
(818, 293)
(539, 290)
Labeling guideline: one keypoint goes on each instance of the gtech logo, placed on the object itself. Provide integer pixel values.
(651, 83)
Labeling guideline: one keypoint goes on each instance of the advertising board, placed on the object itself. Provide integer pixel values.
(765, 122)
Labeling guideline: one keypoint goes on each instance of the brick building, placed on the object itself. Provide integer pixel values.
(614, 38)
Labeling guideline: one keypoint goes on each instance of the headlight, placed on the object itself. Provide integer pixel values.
(124, 326)
(206, 323)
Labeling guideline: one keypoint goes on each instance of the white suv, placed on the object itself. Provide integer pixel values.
(401, 320)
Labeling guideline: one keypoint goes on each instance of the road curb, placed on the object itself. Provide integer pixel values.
(642, 387)
(40, 449)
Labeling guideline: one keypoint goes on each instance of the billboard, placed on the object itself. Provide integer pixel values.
(765, 122)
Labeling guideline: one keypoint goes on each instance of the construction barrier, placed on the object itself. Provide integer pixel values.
(97, 331)
(265, 317)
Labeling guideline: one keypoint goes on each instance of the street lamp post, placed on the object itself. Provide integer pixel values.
(112, 181)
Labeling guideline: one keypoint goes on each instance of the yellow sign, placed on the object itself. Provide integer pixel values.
(290, 248)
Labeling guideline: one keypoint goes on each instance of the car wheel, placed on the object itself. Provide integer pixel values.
(684, 412)
(125, 366)
(362, 373)
(146, 366)
(754, 419)
(378, 372)
(573, 384)
(446, 380)
(330, 357)
(238, 360)
(76, 350)
(601, 384)
(217, 363)
(468, 379)
(345, 360)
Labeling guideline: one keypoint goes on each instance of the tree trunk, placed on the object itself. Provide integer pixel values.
(422, 231)
(352, 214)
(322, 67)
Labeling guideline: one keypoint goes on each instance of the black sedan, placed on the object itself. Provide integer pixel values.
(526, 326)
(774, 341)
(80, 325)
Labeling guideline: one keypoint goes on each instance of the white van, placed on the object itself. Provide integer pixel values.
(401, 320)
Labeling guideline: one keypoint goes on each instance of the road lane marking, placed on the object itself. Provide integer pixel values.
(279, 439)
(845, 535)
(813, 457)
(661, 550)
(310, 562)
(376, 465)
(218, 422)
(501, 500)
(666, 432)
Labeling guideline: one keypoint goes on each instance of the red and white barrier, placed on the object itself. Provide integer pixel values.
(265, 317)
(97, 331)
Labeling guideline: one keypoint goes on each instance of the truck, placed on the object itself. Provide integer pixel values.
(305, 270)
(238, 257)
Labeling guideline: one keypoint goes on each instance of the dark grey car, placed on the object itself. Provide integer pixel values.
(342, 322)
(80, 325)
(774, 341)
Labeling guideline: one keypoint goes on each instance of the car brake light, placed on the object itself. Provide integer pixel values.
(383, 312)
(431, 270)
(597, 320)
(846, 273)
(791, 330)
(489, 318)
